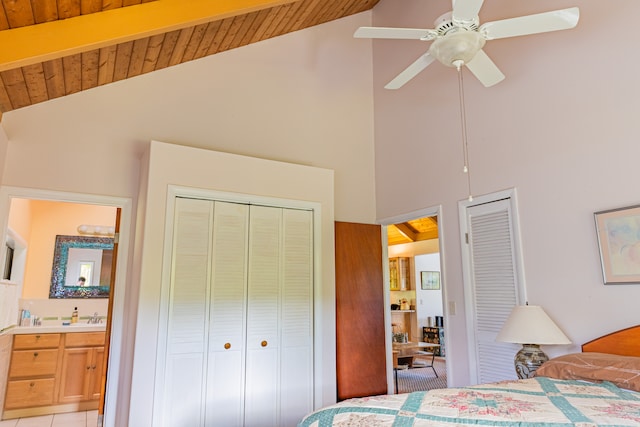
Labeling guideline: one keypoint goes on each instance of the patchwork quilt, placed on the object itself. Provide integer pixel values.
(530, 402)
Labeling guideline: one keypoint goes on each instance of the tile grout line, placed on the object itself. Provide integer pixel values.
(51, 423)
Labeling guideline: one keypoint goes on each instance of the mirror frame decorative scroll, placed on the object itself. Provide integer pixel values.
(59, 268)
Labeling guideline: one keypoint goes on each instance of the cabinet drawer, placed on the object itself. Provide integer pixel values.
(84, 339)
(33, 363)
(26, 341)
(24, 393)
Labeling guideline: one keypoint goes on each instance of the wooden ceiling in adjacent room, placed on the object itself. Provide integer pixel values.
(413, 231)
(53, 48)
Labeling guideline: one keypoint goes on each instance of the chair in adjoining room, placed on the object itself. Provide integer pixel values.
(396, 367)
(427, 358)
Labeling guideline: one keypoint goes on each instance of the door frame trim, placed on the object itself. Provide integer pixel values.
(420, 213)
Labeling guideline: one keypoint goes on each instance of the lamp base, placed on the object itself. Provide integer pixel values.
(528, 359)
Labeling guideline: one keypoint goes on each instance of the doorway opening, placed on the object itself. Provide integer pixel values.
(416, 309)
(35, 218)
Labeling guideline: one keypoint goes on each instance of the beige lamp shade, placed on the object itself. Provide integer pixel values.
(530, 324)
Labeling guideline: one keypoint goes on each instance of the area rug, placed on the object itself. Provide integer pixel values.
(417, 379)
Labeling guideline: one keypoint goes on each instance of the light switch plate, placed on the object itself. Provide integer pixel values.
(452, 308)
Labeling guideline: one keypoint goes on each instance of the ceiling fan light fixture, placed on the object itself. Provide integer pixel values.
(456, 47)
(458, 38)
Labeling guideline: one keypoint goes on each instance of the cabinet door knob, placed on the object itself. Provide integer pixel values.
(227, 346)
(35, 354)
(93, 367)
(32, 384)
(263, 343)
(37, 337)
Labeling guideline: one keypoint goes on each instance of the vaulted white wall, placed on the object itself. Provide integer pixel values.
(561, 128)
(301, 98)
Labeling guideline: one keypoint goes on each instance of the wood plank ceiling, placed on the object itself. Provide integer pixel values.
(86, 61)
(413, 231)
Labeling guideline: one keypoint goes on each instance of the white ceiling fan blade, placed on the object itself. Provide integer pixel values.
(484, 69)
(563, 19)
(395, 33)
(410, 72)
(466, 10)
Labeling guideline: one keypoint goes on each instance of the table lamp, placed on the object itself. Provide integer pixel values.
(530, 326)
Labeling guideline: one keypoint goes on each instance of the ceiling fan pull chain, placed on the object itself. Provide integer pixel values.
(463, 123)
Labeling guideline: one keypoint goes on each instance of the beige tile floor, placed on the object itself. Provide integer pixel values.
(72, 419)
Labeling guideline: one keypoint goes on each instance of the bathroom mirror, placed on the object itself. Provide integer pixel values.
(81, 267)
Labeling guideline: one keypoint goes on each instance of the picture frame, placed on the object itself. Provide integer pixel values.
(618, 232)
(430, 280)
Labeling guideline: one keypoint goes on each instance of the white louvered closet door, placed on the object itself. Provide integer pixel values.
(495, 287)
(279, 324)
(263, 315)
(187, 324)
(296, 348)
(239, 346)
(226, 375)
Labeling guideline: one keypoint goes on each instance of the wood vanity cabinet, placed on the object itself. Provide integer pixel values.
(81, 367)
(54, 373)
(32, 372)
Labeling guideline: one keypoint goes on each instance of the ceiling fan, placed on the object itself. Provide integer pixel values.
(458, 38)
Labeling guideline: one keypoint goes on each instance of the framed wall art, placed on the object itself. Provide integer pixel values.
(619, 242)
(430, 280)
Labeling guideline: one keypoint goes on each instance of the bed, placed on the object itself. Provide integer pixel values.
(598, 387)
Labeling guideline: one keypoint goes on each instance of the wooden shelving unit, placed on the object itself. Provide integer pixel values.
(434, 335)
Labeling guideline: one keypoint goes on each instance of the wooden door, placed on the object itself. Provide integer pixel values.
(360, 333)
(103, 366)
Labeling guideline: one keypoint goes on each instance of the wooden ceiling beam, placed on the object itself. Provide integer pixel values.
(407, 231)
(50, 40)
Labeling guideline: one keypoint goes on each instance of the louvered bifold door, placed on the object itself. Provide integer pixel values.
(279, 371)
(494, 286)
(185, 364)
(263, 316)
(225, 378)
(240, 316)
(296, 354)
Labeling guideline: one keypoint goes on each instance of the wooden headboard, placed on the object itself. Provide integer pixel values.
(625, 342)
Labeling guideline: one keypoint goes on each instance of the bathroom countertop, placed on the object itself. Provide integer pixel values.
(55, 329)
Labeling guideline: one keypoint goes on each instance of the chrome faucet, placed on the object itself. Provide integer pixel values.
(95, 318)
